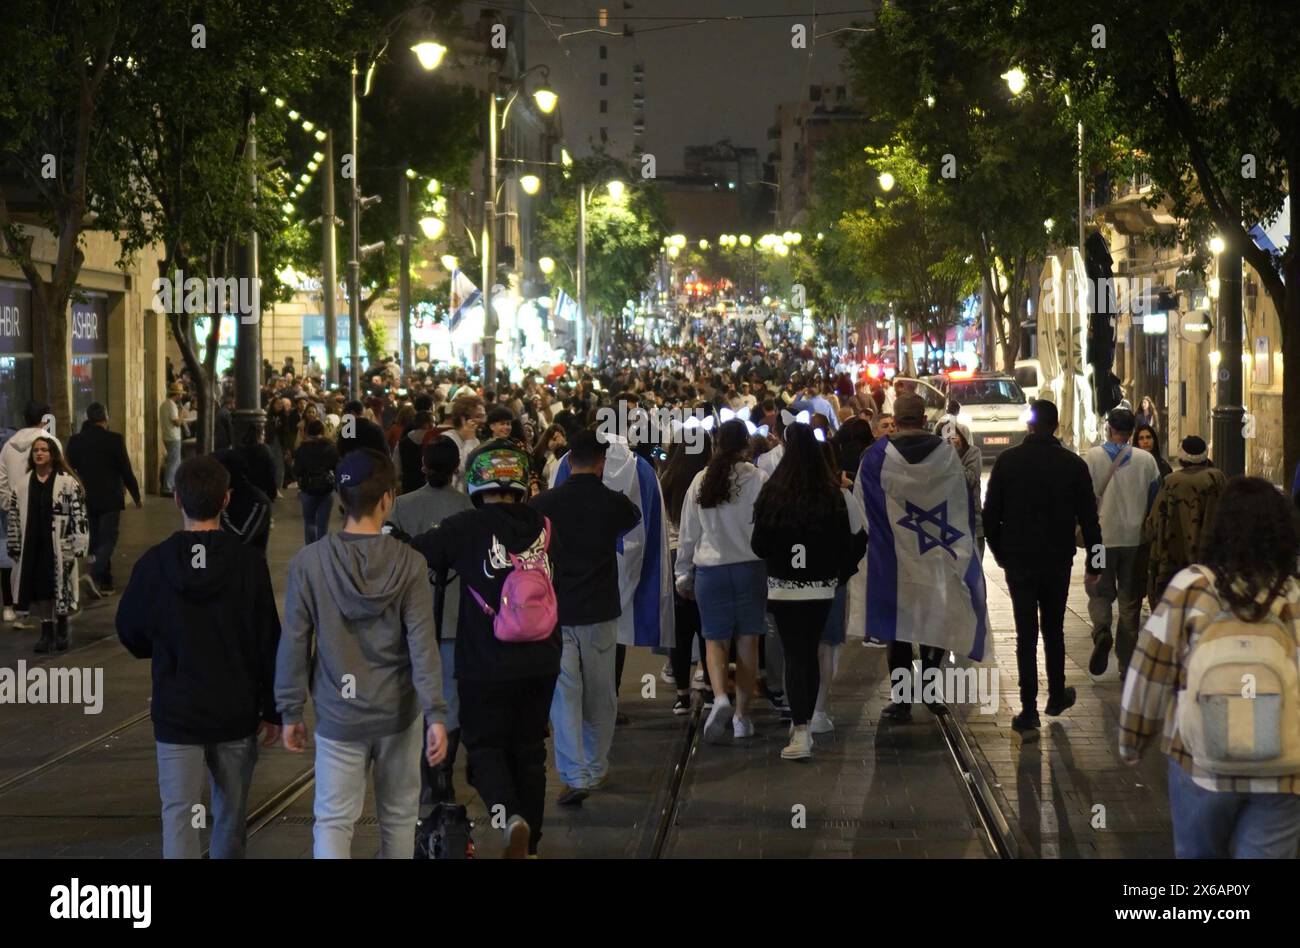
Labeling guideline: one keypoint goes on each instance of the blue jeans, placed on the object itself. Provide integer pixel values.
(585, 703)
(1212, 825)
(181, 768)
(103, 538)
(170, 465)
(315, 516)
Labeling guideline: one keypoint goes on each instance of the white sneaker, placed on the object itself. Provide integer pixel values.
(24, 621)
(666, 674)
(800, 746)
(821, 723)
(742, 727)
(9, 614)
(715, 728)
(870, 642)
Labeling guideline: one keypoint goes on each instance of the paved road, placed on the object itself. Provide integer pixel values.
(871, 789)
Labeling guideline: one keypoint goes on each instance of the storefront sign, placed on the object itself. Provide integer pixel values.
(1196, 325)
(15, 319)
(90, 325)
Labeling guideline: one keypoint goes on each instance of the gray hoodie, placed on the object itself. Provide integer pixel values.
(366, 600)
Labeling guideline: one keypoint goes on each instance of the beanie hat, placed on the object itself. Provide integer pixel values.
(1193, 450)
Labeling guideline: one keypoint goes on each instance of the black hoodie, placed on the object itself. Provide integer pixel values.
(200, 604)
(462, 544)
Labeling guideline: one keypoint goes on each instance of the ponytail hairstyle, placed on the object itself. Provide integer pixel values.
(729, 448)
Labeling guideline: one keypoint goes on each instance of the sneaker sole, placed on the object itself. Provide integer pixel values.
(716, 730)
(796, 755)
(517, 844)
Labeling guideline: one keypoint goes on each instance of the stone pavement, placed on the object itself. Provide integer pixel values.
(871, 790)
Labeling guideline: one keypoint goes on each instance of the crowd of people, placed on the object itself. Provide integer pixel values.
(500, 548)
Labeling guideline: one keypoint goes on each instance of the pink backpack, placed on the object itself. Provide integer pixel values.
(527, 612)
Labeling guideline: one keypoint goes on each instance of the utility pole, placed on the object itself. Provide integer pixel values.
(582, 274)
(248, 339)
(490, 234)
(354, 263)
(329, 276)
(404, 280)
(1229, 446)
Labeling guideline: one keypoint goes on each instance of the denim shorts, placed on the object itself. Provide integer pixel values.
(833, 630)
(732, 599)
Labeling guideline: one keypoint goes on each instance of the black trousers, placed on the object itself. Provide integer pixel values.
(686, 616)
(799, 623)
(620, 656)
(900, 657)
(1039, 592)
(503, 728)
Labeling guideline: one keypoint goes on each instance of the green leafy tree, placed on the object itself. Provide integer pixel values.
(1203, 96)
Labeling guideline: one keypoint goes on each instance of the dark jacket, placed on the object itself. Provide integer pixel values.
(223, 430)
(248, 515)
(366, 434)
(831, 552)
(311, 462)
(1038, 492)
(100, 460)
(211, 627)
(410, 451)
(259, 465)
(462, 544)
(587, 521)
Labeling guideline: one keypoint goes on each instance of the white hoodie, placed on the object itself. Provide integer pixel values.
(717, 536)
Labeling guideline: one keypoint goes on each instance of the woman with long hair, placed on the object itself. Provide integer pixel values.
(679, 472)
(546, 456)
(717, 566)
(48, 530)
(811, 534)
(1146, 438)
(1231, 795)
(958, 435)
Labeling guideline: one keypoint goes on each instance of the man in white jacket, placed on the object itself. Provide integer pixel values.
(1125, 480)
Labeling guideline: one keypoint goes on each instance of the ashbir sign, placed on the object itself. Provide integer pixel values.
(90, 325)
(15, 319)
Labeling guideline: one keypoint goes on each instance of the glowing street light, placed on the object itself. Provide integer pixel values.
(430, 54)
(1217, 245)
(450, 262)
(886, 181)
(546, 265)
(745, 240)
(545, 99)
(530, 183)
(616, 189)
(432, 227)
(1016, 80)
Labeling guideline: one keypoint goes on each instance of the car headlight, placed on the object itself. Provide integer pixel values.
(1027, 415)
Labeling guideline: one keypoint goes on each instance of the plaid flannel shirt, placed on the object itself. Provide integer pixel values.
(1157, 673)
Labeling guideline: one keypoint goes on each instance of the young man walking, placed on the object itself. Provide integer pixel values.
(99, 457)
(364, 598)
(200, 605)
(588, 520)
(1038, 493)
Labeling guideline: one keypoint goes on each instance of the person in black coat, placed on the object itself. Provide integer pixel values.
(358, 431)
(99, 457)
(259, 462)
(248, 515)
(1038, 493)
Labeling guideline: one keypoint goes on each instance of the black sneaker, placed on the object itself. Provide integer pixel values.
(1061, 705)
(706, 696)
(900, 712)
(1100, 653)
(1026, 720)
(682, 705)
(778, 702)
(572, 796)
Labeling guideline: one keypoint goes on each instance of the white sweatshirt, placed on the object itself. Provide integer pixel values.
(717, 536)
(1123, 508)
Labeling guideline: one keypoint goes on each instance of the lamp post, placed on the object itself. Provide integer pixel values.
(1229, 446)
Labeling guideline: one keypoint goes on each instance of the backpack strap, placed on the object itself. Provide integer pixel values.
(546, 533)
(1114, 466)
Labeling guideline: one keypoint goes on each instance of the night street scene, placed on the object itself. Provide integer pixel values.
(648, 429)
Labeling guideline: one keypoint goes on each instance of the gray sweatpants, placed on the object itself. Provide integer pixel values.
(181, 768)
(585, 703)
(341, 771)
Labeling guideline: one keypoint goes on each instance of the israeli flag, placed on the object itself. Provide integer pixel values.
(645, 577)
(924, 582)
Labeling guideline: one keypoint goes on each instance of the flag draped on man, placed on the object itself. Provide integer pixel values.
(924, 582)
(645, 576)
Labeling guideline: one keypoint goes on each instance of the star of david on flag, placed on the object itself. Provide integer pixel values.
(918, 517)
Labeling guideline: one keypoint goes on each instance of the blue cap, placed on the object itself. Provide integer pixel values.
(356, 466)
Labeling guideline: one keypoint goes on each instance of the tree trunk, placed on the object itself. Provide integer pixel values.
(52, 349)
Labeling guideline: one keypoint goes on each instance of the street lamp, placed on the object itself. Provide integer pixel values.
(432, 227)
(530, 183)
(1016, 80)
(617, 189)
(450, 262)
(886, 181)
(430, 54)
(1217, 245)
(546, 265)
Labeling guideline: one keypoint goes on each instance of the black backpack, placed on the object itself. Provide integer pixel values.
(318, 482)
(446, 833)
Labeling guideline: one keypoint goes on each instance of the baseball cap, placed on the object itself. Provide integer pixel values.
(356, 467)
(909, 408)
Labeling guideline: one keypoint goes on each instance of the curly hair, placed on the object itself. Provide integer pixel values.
(1251, 546)
(728, 450)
